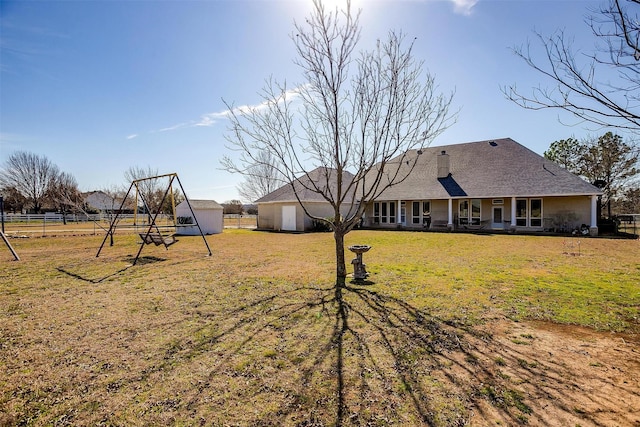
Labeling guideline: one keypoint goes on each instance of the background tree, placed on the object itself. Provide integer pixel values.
(64, 194)
(610, 160)
(154, 189)
(150, 188)
(601, 87)
(629, 203)
(30, 175)
(232, 207)
(566, 153)
(13, 200)
(606, 161)
(350, 118)
(260, 179)
(110, 200)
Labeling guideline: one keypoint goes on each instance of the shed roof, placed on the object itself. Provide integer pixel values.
(485, 169)
(201, 204)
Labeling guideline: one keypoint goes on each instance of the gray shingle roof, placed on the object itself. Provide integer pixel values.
(486, 169)
(202, 204)
(318, 175)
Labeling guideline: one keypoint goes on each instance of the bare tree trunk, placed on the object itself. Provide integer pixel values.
(341, 268)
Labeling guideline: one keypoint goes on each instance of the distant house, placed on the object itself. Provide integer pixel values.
(208, 214)
(102, 202)
(486, 185)
(490, 185)
(281, 211)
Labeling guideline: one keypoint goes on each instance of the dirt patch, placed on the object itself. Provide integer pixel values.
(548, 374)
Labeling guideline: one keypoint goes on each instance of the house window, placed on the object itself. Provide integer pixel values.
(469, 212)
(415, 213)
(384, 212)
(535, 217)
(529, 212)
(421, 212)
(463, 212)
(521, 212)
(475, 211)
(426, 213)
(392, 212)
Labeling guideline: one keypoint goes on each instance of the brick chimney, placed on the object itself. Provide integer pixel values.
(443, 164)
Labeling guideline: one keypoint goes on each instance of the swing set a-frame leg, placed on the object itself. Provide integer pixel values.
(6, 241)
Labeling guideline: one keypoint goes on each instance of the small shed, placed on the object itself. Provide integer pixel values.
(209, 216)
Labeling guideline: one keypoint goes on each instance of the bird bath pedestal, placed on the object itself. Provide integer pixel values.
(359, 272)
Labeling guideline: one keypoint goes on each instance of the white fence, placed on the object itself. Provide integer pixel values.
(55, 223)
(57, 218)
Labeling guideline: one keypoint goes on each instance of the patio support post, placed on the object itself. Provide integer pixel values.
(593, 229)
(513, 214)
(450, 219)
(399, 212)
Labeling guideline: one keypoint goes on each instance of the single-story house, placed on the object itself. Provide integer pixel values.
(103, 202)
(486, 185)
(208, 214)
(494, 185)
(281, 211)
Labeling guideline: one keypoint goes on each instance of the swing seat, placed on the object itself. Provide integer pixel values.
(157, 239)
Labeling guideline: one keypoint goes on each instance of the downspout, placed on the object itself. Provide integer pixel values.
(593, 229)
(513, 214)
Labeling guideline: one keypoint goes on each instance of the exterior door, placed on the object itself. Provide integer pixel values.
(496, 218)
(289, 218)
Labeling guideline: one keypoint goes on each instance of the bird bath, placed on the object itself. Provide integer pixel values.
(359, 272)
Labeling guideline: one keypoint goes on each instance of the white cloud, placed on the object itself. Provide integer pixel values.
(175, 127)
(132, 136)
(464, 6)
(210, 119)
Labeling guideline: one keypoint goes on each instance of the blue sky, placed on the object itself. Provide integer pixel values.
(100, 86)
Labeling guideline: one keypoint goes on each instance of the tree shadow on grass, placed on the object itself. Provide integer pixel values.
(348, 355)
(84, 271)
(343, 355)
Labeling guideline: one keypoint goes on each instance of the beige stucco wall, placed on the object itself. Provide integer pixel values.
(574, 211)
(270, 214)
(557, 212)
(266, 216)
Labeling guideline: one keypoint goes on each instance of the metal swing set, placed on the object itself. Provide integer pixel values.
(153, 233)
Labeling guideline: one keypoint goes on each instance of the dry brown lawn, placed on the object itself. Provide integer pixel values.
(450, 330)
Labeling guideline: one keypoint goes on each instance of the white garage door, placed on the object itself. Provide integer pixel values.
(289, 218)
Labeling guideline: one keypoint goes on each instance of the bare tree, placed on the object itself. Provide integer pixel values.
(30, 174)
(63, 191)
(151, 188)
(601, 87)
(260, 179)
(350, 123)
